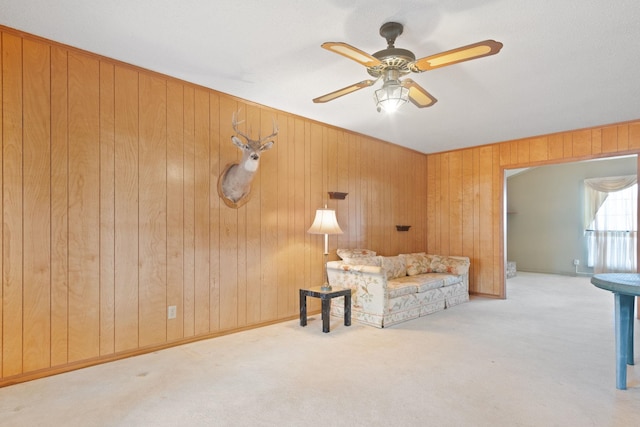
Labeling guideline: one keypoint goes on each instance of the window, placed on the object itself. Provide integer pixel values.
(618, 212)
(611, 219)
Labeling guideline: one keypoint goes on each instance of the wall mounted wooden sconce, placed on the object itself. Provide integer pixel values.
(403, 227)
(337, 195)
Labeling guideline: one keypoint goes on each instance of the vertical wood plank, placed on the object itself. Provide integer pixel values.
(363, 195)
(126, 280)
(437, 224)
(468, 202)
(291, 215)
(59, 204)
(445, 191)
(431, 207)
(609, 139)
(455, 203)
(316, 202)
(189, 212)
(514, 152)
(229, 226)
(486, 231)
(214, 213)
(12, 250)
(84, 207)
(524, 151)
(299, 205)
(567, 140)
(107, 205)
(175, 207)
(268, 221)
(556, 146)
(392, 200)
(202, 183)
(37, 201)
(332, 139)
(596, 141)
(623, 137)
(478, 251)
(539, 149)
(282, 217)
(505, 154)
(353, 188)
(581, 143)
(634, 136)
(152, 210)
(497, 217)
(1, 204)
(250, 279)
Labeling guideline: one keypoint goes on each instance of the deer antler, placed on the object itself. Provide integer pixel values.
(274, 127)
(235, 123)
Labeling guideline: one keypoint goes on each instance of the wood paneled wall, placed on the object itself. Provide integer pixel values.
(465, 203)
(110, 211)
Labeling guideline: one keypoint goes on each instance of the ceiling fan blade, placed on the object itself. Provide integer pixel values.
(344, 91)
(352, 53)
(417, 95)
(464, 53)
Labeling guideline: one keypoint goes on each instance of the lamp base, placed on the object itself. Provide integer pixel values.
(326, 287)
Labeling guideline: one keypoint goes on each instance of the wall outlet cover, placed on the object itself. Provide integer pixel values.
(171, 312)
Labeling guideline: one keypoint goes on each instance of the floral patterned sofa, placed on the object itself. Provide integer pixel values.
(391, 289)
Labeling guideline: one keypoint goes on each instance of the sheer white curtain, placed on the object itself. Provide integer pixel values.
(611, 228)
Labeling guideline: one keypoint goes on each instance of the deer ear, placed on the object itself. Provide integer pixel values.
(265, 147)
(237, 142)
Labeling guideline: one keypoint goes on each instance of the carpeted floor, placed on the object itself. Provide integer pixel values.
(542, 357)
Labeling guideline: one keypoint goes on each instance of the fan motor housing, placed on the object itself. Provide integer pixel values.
(392, 58)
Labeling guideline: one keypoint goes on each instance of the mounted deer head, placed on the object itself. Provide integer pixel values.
(234, 184)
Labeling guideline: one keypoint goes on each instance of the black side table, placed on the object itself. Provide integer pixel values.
(325, 296)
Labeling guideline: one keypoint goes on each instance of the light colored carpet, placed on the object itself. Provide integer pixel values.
(542, 357)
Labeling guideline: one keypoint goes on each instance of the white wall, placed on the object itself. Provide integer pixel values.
(544, 220)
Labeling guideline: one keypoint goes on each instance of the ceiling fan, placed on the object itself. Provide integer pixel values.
(392, 63)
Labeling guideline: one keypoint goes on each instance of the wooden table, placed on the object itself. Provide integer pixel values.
(325, 296)
(625, 287)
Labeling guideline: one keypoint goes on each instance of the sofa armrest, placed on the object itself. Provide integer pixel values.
(369, 285)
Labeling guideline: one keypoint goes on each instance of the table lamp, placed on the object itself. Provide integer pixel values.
(325, 223)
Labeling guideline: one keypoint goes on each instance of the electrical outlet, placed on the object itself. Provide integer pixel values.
(576, 262)
(171, 312)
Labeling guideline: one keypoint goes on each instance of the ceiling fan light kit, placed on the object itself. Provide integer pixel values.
(392, 63)
(392, 94)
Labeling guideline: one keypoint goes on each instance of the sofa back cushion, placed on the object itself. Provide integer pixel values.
(416, 263)
(363, 260)
(421, 263)
(355, 253)
(394, 266)
(447, 264)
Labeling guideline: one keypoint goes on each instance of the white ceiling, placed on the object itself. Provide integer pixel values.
(565, 64)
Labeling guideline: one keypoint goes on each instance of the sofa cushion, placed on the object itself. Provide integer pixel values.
(341, 265)
(398, 288)
(362, 260)
(394, 266)
(353, 253)
(416, 263)
(419, 282)
(445, 264)
(429, 281)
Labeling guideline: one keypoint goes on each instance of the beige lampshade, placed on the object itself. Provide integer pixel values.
(325, 222)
